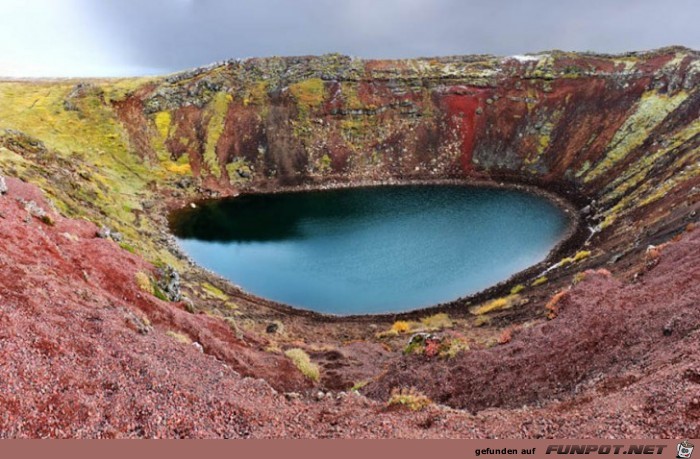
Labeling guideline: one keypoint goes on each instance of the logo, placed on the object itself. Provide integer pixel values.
(685, 449)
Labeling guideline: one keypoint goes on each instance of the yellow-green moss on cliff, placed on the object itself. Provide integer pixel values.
(651, 110)
(217, 113)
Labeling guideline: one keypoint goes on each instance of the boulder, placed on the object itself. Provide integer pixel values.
(169, 283)
(104, 232)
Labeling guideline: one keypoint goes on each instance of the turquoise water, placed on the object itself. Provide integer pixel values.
(370, 250)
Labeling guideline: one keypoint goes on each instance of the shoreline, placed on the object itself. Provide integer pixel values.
(573, 237)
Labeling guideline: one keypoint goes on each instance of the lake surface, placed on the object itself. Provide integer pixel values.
(370, 250)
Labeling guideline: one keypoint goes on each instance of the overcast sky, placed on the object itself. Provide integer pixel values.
(135, 37)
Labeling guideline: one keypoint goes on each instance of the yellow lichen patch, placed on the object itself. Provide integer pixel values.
(238, 170)
(409, 398)
(214, 292)
(217, 112)
(539, 281)
(685, 168)
(454, 347)
(497, 304)
(119, 89)
(638, 171)
(303, 363)
(359, 385)
(180, 169)
(324, 164)
(256, 94)
(179, 337)
(401, 326)
(437, 322)
(350, 97)
(482, 320)
(308, 93)
(580, 255)
(543, 139)
(651, 110)
(163, 120)
(143, 282)
(689, 172)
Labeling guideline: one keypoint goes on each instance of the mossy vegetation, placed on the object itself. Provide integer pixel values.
(179, 337)
(256, 94)
(409, 398)
(217, 111)
(496, 304)
(580, 255)
(85, 164)
(401, 326)
(239, 171)
(214, 292)
(163, 121)
(303, 362)
(309, 93)
(359, 385)
(436, 322)
(143, 281)
(539, 281)
(651, 109)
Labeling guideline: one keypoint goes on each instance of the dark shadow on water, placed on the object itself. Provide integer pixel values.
(276, 217)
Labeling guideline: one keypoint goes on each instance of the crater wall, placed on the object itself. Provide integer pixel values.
(620, 130)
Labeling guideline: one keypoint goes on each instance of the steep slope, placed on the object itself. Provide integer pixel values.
(85, 353)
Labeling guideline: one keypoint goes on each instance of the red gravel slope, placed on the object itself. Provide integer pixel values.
(74, 364)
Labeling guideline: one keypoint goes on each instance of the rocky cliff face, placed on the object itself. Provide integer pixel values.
(621, 130)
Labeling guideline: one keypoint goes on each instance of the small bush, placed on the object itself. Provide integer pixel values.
(387, 334)
(506, 336)
(233, 325)
(539, 281)
(158, 293)
(359, 385)
(495, 305)
(553, 306)
(508, 333)
(578, 277)
(401, 326)
(480, 321)
(414, 347)
(580, 255)
(303, 362)
(437, 322)
(180, 169)
(409, 398)
(452, 347)
(517, 289)
(214, 291)
(127, 247)
(179, 337)
(143, 282)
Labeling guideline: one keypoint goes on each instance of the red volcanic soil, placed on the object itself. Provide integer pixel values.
(85, 353)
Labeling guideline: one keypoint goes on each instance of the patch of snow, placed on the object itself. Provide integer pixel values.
(524, 58)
